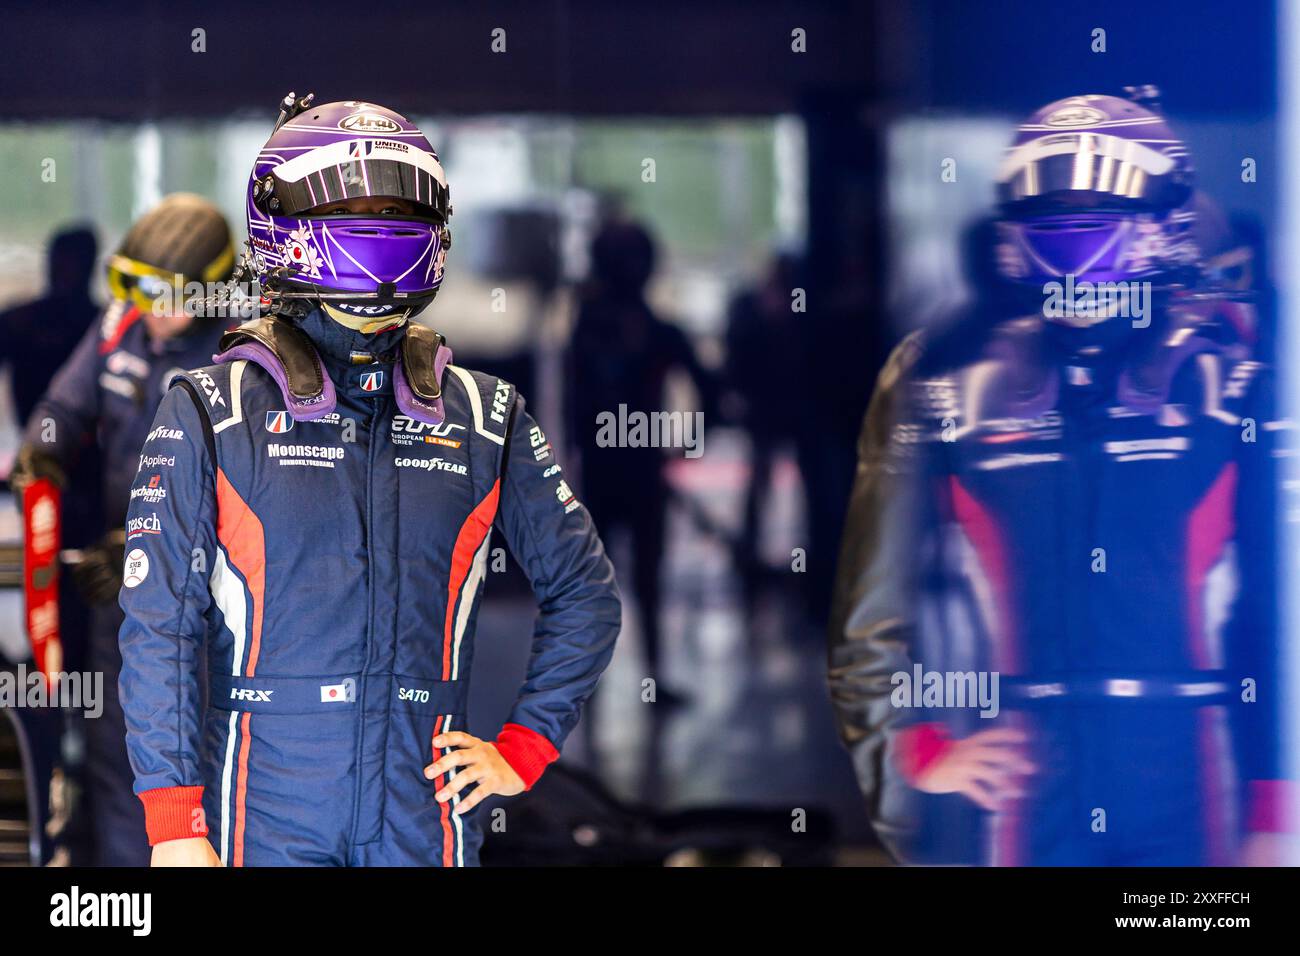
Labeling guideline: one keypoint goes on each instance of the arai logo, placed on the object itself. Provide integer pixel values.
(369, 123)
(1075, 116)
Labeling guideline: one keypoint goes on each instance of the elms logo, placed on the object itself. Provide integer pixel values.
(279, 422)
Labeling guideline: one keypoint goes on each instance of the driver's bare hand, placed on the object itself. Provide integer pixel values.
(192, 851)
(480, 762)
(988, 767)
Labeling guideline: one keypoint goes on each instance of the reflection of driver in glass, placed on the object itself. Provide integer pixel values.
(1080, 506)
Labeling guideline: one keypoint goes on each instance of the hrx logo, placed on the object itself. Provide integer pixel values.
(248, 693)
(499, 399)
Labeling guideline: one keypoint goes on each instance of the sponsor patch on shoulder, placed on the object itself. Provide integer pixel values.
(136, 568)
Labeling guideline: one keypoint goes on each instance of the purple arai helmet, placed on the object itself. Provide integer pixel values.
(1098, 188)
(367, 265)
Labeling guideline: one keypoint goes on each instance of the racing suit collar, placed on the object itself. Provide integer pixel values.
(347, 352)
(343, 345)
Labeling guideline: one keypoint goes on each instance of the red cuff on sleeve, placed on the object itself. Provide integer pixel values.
(527, 752)
(919, 746)
(1269, 806)
(173, 813)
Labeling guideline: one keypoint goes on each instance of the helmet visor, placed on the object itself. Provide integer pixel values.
(1089, 170)
(362, 168)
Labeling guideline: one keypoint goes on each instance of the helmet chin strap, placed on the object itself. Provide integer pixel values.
(366, 324)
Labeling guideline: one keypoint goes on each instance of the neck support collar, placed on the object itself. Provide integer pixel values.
(1022, 379)
(291, 359)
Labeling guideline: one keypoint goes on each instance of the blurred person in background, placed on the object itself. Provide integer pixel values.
(106, 395)
(1070, 514)
(762, 333)
(622, 353)
(38, 336)
(316, 559)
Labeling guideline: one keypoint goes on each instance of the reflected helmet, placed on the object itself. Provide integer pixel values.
(1098, 188)
(363, 264)
(183, 236)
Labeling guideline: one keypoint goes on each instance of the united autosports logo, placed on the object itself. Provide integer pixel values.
(277, 423)
(372, 381)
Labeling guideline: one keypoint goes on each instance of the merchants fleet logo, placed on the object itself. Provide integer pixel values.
(151, 493)
(279, 422)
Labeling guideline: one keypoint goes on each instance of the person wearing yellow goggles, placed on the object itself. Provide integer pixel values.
(172, 254)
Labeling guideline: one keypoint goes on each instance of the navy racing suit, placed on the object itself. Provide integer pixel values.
(330, 569)
(1096, 530)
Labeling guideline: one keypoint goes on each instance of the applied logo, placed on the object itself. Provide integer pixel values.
(372, 381)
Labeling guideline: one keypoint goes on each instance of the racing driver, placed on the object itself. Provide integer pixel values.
(1053, 633)
(301, 597)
